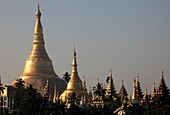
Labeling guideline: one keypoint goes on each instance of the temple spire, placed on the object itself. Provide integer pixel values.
(135, 99)
(110, 91)
(162, 88)
(138, 89)
(153, 94)
(122, 93)
(134, 95)
(153, 90)
(38, 66)
(55, 97)
(75, 84)
(145, 98)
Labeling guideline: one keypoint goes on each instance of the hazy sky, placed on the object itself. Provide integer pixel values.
(130, 37)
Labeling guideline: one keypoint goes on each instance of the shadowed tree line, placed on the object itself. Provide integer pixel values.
(28, 101)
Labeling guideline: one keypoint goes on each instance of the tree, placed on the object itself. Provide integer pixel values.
(31, 100)
(19, 83)
(66, 77)
(99, 90)
(19, 94)
(28, 101)
(74, 99)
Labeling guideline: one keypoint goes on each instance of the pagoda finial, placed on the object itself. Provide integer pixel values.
(122, 83)
(110, 74)
(74, 56)
(137, 77)
(38, 27)
(84, 83)
(97, 79)
(38, 10)
(153, 88)
(162, 73)
(74, 63)
(74, 50)
(110, 71)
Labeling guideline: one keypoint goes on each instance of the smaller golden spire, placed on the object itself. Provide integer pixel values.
(153, 90)
(46, 89)
(75, 84)
(145, 97)
(55, 98)
(134, 95)
(153, 94)
(146, 94)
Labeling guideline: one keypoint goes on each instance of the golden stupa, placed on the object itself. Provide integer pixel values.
(38, 67)
(74, 85)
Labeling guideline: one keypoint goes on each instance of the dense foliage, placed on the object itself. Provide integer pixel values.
(28, 101)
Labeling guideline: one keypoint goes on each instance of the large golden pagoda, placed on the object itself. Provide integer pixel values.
(38, 67)
(74, 84)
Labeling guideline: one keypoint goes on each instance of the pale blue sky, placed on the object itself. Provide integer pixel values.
(130, 37)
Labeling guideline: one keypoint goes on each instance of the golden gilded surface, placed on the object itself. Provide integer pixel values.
(134, 95)
(38, 67)
(75, 84)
